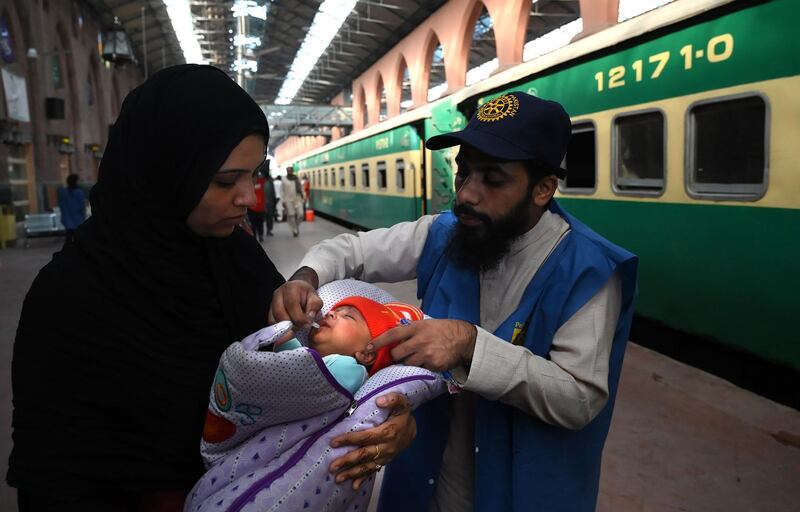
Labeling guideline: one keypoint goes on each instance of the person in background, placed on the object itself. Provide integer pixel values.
(306, 194)
(256, 212)
(72, 203)
(270, 201)
(292, 195)
(278, 184)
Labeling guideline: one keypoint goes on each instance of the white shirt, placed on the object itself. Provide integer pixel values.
(569, 389)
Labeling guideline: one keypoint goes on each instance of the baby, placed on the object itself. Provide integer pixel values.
(345, 332)
(272, 414)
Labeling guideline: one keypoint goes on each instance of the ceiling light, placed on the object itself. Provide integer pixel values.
(181, 17)
(327, 23)
(243, 8)
(244, 40)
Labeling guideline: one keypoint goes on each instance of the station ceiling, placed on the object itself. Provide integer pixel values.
(371, 29)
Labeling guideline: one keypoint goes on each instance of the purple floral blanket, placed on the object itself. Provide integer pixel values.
(271, 417)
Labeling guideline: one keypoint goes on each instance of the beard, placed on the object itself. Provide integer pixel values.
(481, 247)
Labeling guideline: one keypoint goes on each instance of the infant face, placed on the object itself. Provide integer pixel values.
(342, 331)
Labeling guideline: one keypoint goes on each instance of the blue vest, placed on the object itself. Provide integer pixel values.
(521, 462)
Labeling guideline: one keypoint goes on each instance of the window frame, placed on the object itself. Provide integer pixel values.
(365, 171)
(613, 169)
(352, 176)
(724, 192)
(400, 165)
(342, 181)
(385, 175)
(562, 188)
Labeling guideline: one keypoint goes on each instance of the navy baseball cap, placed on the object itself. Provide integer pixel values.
(515, 126)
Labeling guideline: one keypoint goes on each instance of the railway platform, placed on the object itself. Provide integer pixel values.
(681, 439)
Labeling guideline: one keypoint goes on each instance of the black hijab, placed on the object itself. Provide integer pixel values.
(120, 334)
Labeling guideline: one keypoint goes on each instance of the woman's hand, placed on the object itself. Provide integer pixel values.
(377, 446)
(296, 299)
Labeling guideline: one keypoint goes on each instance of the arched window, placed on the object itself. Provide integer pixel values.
(382, 112)
(437, 82)
(405, 87)
(364, 111)
(483, 53)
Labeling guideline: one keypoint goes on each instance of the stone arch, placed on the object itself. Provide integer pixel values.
(380, 94)
(479, 29)
(360, 111)
(457, 68)
(432, 42)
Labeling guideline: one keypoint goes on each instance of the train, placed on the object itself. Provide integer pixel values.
(685, 150)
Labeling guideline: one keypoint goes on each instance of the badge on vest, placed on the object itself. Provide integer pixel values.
(518, 336)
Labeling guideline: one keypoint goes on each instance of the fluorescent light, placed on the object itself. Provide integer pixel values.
(244, 40)
(246, 65)
(181, 17)
(243, 8)
(552, 40)
(327, 22)
(629, 8)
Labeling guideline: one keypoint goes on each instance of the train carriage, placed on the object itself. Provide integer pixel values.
(686, 122)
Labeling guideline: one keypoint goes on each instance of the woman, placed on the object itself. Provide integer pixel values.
(121, 332)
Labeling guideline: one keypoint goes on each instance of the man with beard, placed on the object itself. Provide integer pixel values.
(533, 312)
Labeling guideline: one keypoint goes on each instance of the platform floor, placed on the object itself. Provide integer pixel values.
(681, 439)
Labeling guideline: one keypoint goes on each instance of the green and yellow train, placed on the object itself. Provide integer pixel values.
(685, 150)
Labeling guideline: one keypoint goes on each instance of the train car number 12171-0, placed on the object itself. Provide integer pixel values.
(718, 49)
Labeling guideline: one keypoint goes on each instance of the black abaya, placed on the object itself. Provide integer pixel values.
(121, 332)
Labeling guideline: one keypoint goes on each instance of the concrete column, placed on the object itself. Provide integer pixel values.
(393, 85)
(510, 21)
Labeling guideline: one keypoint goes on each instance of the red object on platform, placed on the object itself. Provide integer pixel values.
(309, 215)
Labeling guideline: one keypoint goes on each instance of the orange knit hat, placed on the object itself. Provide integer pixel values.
(380, 318)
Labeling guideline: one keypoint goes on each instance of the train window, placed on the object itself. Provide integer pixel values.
(400, 165)
(581, 161)
(637, 158)
(341, 177)
(727, 148)
(353, 176)
(382, 175)
(365, 175)
(326, 176)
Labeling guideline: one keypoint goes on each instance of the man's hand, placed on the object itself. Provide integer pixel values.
(377, 446)
(437, 345)
(296, 299)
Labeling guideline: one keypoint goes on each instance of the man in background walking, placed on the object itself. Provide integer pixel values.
(292, 195)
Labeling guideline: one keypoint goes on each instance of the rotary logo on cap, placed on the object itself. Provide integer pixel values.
(498, 108)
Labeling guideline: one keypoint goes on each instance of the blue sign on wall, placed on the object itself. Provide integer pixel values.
(6, 42)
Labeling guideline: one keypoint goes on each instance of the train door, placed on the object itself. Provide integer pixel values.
(439, 194)
(417, 176)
